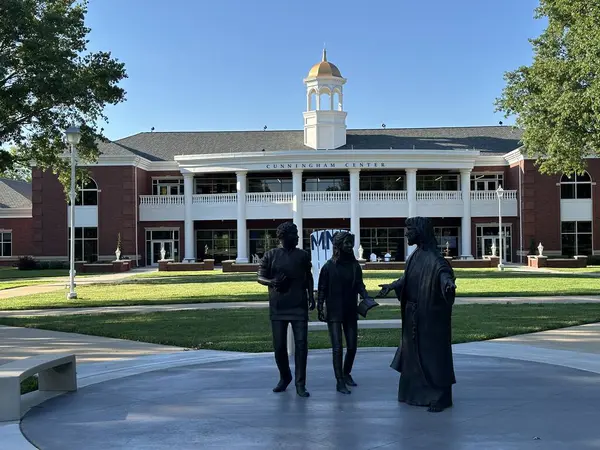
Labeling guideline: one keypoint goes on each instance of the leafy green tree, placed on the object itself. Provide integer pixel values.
(49, 81)
(19, 171)
(556, 100)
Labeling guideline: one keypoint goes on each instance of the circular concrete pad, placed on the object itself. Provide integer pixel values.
(499, 404)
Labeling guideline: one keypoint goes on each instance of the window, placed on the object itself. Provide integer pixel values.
(86, 244)
(269, 185)
(5, 243)
(167, 186)
(262, 241)
(221, 185)
(383, 240)
(486, 182)
(437, 182)
(576, 186)
(382, 182)
(447, 239)
(327, 183)
(87, 194)
(576, 238)
(220, 245)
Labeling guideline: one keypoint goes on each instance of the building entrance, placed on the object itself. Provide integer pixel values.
(168, 245)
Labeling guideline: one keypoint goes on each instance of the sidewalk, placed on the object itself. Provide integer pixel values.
(58, 283)
(142, 309)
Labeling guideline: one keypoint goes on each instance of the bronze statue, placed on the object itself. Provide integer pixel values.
(287, 273)
(340, 283)
(426, 293)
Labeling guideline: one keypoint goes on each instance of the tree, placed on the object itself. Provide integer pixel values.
(556, 100)
(19, 170)
(48, 82)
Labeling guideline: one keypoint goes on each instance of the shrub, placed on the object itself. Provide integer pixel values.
(27, 263)
(57, 265)
(44, 265)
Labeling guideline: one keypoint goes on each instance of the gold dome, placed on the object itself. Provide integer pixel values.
(324, 69)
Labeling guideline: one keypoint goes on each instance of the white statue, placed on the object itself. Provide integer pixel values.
(163, 252)
(493, 248)
(541, 249)
(360, 252)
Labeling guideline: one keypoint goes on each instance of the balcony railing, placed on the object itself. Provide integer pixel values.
(161, 200)
(385, 196)
(439, 195)
(491, 195)
(328, 196)
(269, 197)
(212, 199)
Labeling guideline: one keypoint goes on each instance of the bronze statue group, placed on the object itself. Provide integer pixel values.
(426, 294)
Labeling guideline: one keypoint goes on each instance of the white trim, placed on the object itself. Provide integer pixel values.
(491, 160)
(515, 156)
(16, 213)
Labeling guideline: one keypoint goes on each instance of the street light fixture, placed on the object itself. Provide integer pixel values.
(500, 194)
(73, 135)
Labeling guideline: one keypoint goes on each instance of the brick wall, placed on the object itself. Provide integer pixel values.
(22, 232)
(49, 210)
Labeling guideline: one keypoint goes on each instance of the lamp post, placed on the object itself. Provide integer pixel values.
(73, 137)
(500, 194)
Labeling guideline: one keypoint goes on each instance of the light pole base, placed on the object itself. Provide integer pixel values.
(500, 266)
(71, 295)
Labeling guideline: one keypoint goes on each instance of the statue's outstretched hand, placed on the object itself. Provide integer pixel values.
(321, 313)
(385, 290)
(311, 303)
(450, 287)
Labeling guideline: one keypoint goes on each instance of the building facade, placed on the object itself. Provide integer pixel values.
(221, 195)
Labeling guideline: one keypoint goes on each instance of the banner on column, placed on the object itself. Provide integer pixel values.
(321, 249)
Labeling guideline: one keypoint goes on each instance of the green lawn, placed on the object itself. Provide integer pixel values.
(11, 277)
(206, 287)
(249, 329)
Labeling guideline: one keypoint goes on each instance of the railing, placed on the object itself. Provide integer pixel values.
(491, 195)
(378, 196)
(211, 199)
(326, 196)
(269, 197)
(438, 195)
(161, 200)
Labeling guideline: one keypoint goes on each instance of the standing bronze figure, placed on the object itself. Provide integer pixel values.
(340, 283)
(287, 273)
(426, 293)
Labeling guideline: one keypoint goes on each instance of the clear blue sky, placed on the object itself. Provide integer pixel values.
(198, 65)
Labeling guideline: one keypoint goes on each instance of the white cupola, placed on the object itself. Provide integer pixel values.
(324, 119)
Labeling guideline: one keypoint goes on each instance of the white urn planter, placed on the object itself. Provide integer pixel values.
(118, 254)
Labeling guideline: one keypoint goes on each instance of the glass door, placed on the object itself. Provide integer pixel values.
(156, 248)
(486, 244)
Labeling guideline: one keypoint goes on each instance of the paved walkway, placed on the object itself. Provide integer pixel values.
(58, 283)
(142, 309)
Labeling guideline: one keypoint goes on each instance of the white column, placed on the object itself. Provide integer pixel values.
(465, 226)
(242, 232)
(297, 202)
(411, 193)
(354, 207)
(188, 190)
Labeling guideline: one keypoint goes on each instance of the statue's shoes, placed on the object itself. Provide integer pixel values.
(349, 381)
(341, 387)
(282, 385)
(302, 392)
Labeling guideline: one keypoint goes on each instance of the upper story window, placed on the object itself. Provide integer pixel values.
(167, 186)
(486, 182)
(576, 186)
(223, 185)
(382, 182)
(87, 194)
(326, 183)
(442, 182)
(269, 185)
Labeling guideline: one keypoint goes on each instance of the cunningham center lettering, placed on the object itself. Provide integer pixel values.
(326, 165)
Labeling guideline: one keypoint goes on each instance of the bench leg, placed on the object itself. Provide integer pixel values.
(59, 378)
(291, 346)
(10, 399)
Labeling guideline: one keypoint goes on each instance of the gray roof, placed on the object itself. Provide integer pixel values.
(163, 146)
(15, 194)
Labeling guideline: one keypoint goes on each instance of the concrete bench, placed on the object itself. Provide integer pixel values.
(322, 326)
(56, 375)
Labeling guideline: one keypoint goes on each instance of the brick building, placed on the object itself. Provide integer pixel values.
(222, 194)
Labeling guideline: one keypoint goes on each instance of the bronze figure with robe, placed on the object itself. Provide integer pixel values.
(426, 293)
(286, 271)
(340, 283)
